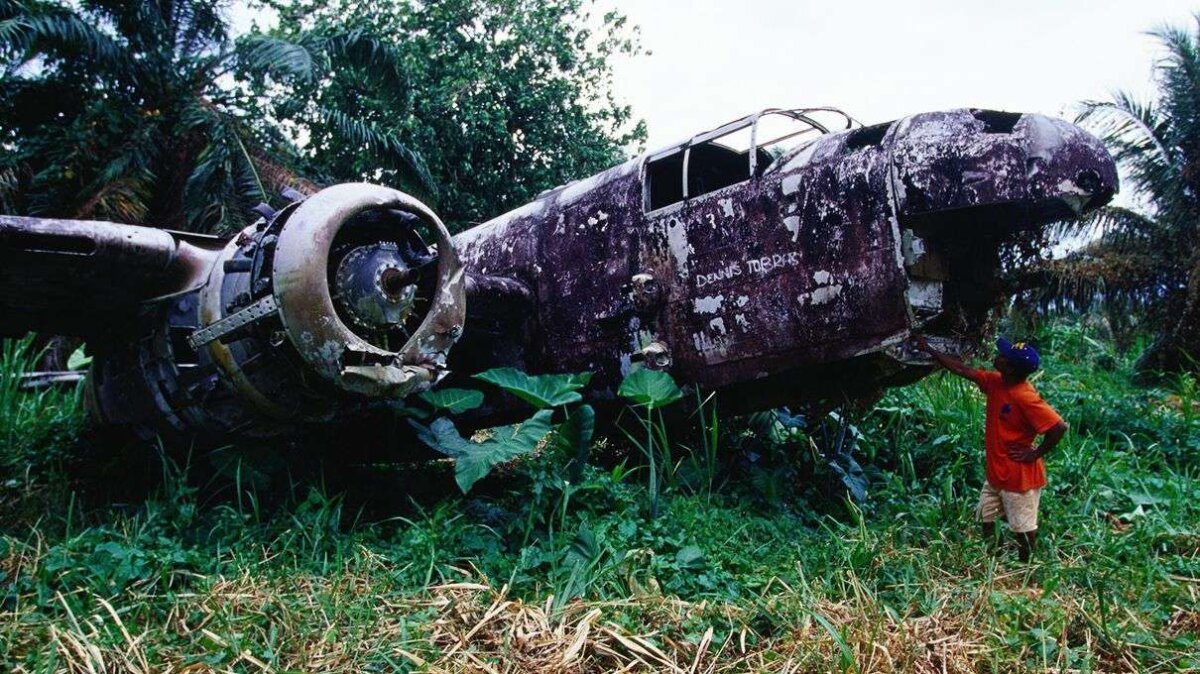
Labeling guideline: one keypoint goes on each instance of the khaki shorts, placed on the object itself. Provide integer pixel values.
(1018, 508)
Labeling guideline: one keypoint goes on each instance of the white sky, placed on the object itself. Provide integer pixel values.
(715, 60)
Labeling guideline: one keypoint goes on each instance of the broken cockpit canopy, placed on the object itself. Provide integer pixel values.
(734, 152)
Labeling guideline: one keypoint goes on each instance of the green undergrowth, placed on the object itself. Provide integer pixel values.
(775, 568)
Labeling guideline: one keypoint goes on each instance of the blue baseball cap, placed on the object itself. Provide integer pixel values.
(1019, 353)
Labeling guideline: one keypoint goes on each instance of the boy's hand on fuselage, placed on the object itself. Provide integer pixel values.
(921, 343)
(951, 363)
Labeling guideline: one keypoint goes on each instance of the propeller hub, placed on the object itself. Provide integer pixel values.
(375, 287)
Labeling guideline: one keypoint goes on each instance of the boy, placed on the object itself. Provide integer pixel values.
(1016, 415)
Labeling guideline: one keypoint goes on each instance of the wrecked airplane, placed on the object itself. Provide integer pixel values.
(783, 258)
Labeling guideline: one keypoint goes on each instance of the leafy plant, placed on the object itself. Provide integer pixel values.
(35, 425)
(575, 437)
(705, 463)
(651, 390)
(540, 391)
(474, 460)
(1142, 263)
(453, 400)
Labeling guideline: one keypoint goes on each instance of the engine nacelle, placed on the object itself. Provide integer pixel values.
(334, 304)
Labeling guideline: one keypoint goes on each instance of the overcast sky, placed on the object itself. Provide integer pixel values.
(715, 60)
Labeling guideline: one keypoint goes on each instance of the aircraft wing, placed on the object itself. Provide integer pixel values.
(88, 279)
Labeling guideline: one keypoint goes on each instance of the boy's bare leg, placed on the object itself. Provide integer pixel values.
(989, 534)
(1026, 541)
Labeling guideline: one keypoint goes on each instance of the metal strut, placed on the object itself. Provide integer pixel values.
(263, 307)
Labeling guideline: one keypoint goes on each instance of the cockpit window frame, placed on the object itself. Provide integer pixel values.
(801, 115)
(753, 172)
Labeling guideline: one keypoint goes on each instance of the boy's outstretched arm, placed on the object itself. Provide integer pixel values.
(951, 363)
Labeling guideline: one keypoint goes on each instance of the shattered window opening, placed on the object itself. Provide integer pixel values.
(789, 130)
(712, 166)
(867, 136)
(777, 133)
(721, 159)
(731, 154)
(997, 121)
(664, 181)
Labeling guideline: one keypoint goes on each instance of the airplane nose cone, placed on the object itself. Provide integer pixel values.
(1045, 168)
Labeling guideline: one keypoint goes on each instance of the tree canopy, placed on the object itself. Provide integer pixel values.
(130, 112)
(153, 113)
(497, 100)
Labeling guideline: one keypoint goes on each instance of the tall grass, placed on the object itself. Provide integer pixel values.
(545, 573)
(34, 422)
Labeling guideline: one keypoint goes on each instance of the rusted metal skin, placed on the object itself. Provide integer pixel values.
(212, 309)
(503, 295)
(306, 308)
(969, 158)
(499, 310)
(800, 280)
(86, 278)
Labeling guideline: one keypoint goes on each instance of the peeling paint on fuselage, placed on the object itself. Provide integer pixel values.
(709, 305)
(801, 266)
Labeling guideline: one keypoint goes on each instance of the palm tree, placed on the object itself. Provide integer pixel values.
(1143, 261)
(141, 112)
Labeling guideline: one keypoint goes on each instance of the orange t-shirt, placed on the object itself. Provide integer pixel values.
(1014, 414)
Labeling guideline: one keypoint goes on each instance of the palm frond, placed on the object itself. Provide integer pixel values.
(125, 199)
(383, 146)
(225, 183)
(378, 63)
(259, 53)
(61, 34)
(198, 24)
(9, 184)
(1137, 135)
(1110, 221)
(277, 175)
(358, 47)
(1121, 279)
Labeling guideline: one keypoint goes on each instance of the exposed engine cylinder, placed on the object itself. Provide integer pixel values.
(335, 303)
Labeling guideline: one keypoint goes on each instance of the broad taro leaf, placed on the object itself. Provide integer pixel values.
(444, 437)
(575, 437)
(585, 547)
(650, 388)
(541, 391)
(790, 420)
(575, 434)
(690, 557)
(79, 359)
(453, 400)
(474, 460)
(851, 475)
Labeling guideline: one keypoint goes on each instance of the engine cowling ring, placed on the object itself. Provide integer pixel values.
(310, 319)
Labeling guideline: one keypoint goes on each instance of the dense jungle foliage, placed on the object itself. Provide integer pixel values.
(757, 560)
(1141, 262)
(155, 113)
